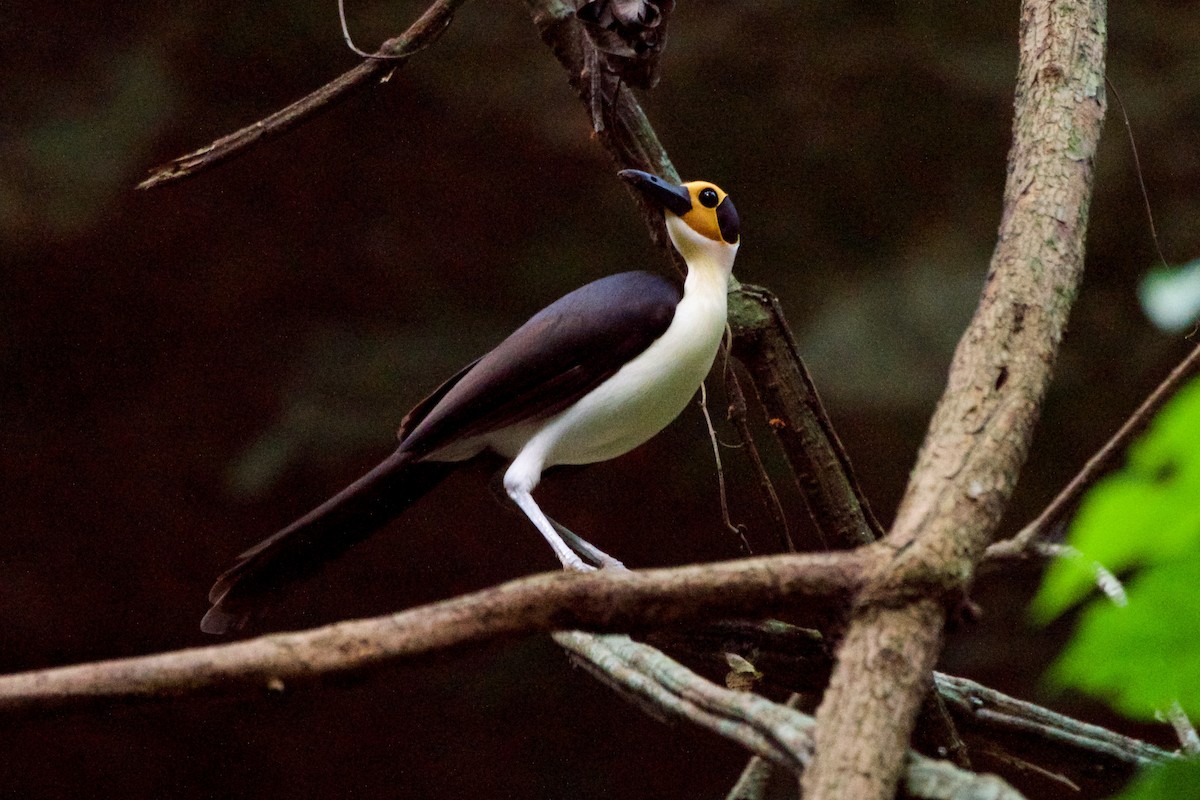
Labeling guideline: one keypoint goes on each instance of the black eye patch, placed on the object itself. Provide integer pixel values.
(727, 220)
(708, 198)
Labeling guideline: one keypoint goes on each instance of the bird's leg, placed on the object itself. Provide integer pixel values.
(586, 548)
(566, 555)
(572, 540)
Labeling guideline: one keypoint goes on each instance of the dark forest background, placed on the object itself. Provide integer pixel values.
(182, 371)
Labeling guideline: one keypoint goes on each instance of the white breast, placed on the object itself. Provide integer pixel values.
(645, 395)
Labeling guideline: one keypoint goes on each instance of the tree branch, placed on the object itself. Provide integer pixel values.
(646, 676)
(773, 731)
(1054, 744)
(763, 343)
(738, 414)
(757, 780)
(1189, 740)
(422, 33)
(601, 601)
(1019, 546)
(980, 433)
(797, 660)
(997, 711)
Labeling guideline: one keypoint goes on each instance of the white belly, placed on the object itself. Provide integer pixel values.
(641, 398)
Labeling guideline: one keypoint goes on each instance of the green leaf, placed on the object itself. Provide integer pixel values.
(1176, 780)
(1142, 657)
(1146, 513)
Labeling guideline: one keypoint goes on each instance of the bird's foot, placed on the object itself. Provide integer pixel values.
(577, 565)
(608, 565)
(584, 549)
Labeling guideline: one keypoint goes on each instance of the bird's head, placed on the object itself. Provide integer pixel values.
(701, 220)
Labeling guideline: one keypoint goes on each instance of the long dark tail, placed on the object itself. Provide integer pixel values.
(302, 548)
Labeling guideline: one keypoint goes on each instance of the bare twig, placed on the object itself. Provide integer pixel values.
(1137, 166)
(1026, 767)
(982, 708)
(349, 40)
(1189, 740)
(755, 781)
(940, 780)
(392, 54)
(1062, 505)
(736, 529)
(936, 732)
(604, 601)
(760, 777)
(738, 415)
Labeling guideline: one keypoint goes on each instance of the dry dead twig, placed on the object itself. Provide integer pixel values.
(392, 54)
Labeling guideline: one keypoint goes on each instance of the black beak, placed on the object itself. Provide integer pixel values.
(659, 193)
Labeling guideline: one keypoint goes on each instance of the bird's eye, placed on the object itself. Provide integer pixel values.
(708, 198)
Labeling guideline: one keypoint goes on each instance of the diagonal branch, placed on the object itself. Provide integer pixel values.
(998, 728)
(600, 601)
(738, 415)
(765, 345)
(661, 685)
(1052, 734)
(1065, 502)
(773, 731)
(980, 434)
(394, 52)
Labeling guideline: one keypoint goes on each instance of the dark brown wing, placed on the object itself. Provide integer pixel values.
(563, 352)
(422, 409)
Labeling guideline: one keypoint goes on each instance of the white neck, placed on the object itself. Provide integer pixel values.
(710, 263)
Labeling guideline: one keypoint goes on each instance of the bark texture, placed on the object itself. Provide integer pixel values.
(601, 601)
(763, 343)
(980, 434)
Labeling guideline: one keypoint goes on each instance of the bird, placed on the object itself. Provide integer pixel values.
(588, 378)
